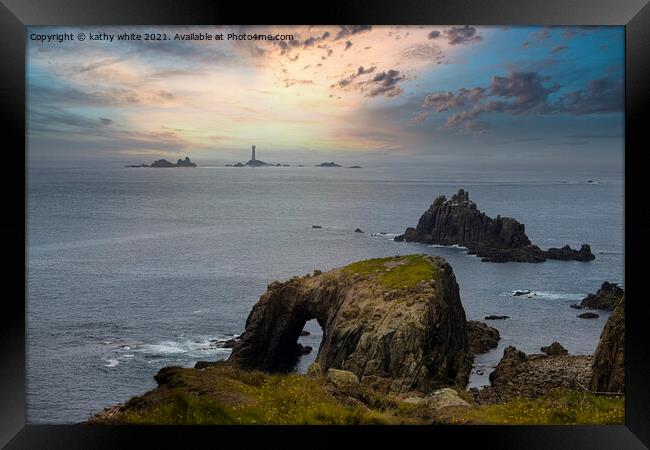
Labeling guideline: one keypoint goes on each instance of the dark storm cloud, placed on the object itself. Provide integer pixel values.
(349, 30)
(522, 93)
(348, 44)
(433, 34)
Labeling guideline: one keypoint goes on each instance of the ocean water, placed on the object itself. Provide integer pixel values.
(130, 270)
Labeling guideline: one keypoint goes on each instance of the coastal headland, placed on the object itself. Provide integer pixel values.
(396, 349)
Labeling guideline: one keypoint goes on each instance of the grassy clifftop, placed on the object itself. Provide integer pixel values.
(395, 272)
(223, 395)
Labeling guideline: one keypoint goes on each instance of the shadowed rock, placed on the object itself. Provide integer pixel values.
(396, 323)
(608, 369)
(606, 298)
(482, 337)
(457, 221)
(555, 349)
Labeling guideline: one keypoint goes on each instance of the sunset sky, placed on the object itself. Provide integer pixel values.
(493, 93)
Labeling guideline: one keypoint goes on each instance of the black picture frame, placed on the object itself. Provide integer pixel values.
(15, 15)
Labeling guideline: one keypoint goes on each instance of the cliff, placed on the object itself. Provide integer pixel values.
(608, 368)
(396, 323)
(457, 221)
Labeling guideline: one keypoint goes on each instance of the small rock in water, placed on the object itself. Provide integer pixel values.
(520, 293)
(575, 306)
(589, 315)
(493, 317)
(358, 230)
(316, 226)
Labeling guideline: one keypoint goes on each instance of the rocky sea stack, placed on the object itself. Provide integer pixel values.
(606, 298)
(396, 323)
(457, 221)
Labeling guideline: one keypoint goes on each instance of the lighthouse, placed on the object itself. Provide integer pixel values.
(253, 154)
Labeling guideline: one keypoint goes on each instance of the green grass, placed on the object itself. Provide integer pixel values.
(411, 270)
(224, 395)
(558, 407)
(232, 396)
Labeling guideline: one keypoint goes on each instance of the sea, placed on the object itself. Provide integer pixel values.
(133, 269)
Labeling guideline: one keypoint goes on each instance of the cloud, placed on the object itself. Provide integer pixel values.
(384, 83)
(313, 40)
(348, 44)
(559, 48)
(443, 101)
(602, 95)
(433, 34)
(462, 35)
(288, 82)
(349, 30)
(521, 93)
(347, 80)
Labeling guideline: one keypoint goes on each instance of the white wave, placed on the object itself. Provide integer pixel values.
(201, 346)
(111, 362)
(545, 295)
(449, 246)
(385, 235)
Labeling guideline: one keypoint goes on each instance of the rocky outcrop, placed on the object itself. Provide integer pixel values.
(163, 163)
(457, 221)
(396, 323)
(185, 162)
(555, 349)
(608, 369)
(532, 376)
(588, 315)
(482, 337)
(510, 365)
(606, 298)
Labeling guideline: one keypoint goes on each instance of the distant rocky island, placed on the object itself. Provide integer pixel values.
(333, 164)
(164, 163)
(457, 221)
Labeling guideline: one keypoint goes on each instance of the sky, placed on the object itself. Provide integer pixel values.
(534, 95)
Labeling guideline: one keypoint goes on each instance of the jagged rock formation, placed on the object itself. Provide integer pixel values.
(606, 298)
(532, 376)
(608, 369)
(457, 221)
(555, 349)
(185, 162)
(164, 163)
(396, 323)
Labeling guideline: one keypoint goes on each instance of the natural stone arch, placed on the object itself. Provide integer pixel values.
(396, 323)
